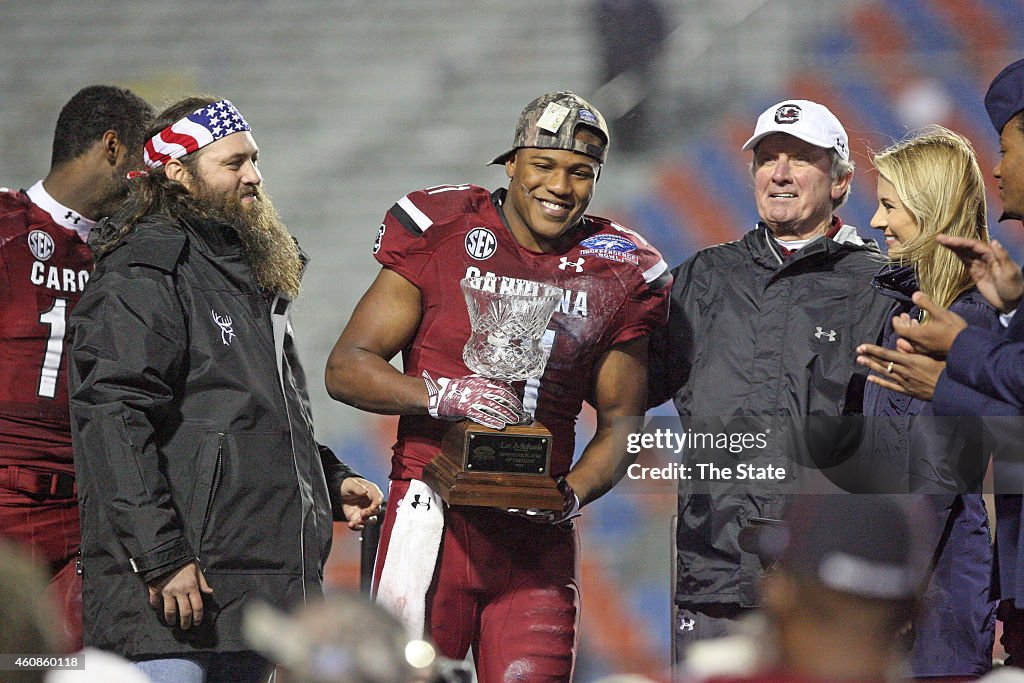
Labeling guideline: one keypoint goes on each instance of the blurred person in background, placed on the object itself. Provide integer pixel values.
(847, 576)
(984, 369)
(28, 622)
(630, 37)
(202, 486)
(765, 327)
(44, 264)
(931, 185)
(504, 584)
(346, 639)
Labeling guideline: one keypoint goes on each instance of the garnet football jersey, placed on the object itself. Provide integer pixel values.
(44, 264)
(615, 288)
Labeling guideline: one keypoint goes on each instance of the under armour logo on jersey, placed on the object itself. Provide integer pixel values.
(224, 323)
(73, 217)
(686, 624)
(417, 502)
(566, 264)
(831, 334)
(481, 244)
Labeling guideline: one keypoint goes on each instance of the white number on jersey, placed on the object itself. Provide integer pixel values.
(54, 348)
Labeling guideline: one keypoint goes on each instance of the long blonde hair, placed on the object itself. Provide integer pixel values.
(936, 176)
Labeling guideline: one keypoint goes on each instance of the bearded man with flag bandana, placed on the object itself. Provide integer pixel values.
(202, 487)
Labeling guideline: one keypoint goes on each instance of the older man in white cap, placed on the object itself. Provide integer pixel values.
(765, 326)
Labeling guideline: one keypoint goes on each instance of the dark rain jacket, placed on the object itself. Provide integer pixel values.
(193, 439)
(751, 333)
(954, 631)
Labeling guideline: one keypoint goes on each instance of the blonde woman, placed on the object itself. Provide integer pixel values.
(927, 186)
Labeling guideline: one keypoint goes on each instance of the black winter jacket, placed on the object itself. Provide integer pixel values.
(193, 439)
(753, 334)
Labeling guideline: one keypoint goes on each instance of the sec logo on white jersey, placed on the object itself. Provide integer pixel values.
(481, 244)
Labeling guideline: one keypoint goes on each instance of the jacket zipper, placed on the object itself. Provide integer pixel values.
(213, 489)
(291, 438)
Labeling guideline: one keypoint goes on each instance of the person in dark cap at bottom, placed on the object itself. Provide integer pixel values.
(846, 576)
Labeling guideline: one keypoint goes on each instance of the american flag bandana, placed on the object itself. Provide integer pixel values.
(197, 130)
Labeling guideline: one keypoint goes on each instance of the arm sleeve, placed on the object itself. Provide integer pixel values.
(335, 471)
(646, 307)
(128, 346)
(990, 363)
(953, 394)
(401, 244)
(954, 398)
(671, 349)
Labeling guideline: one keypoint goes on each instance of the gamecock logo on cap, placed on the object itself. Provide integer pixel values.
(787, 113)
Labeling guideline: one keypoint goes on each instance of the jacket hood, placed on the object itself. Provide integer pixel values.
(765, 249)
(848, 235)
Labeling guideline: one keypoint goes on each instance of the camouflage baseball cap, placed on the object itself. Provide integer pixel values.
(550, 122)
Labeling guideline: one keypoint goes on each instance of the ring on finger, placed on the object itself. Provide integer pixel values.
(888, 368)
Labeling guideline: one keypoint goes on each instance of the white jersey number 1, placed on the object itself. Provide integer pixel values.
(55, 318)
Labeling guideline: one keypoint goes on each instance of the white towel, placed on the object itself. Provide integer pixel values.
(412, 556)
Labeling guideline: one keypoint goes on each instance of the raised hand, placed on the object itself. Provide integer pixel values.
(999, 279)
(935, 338)
(913, 374)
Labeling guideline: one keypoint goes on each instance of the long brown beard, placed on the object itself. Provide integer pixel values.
(267, 246)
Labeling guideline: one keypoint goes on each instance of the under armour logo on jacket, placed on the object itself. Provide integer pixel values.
(831, 334)
(566, 263)
(687, 624)
(224, 323)
(416, 501)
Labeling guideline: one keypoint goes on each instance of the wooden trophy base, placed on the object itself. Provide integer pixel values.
(485, 467)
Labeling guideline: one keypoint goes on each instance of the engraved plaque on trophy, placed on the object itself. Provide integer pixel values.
(506, 468)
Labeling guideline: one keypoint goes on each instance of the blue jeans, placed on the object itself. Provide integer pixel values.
(207, 667)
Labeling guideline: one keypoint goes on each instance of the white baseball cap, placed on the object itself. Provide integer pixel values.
(809, 121)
